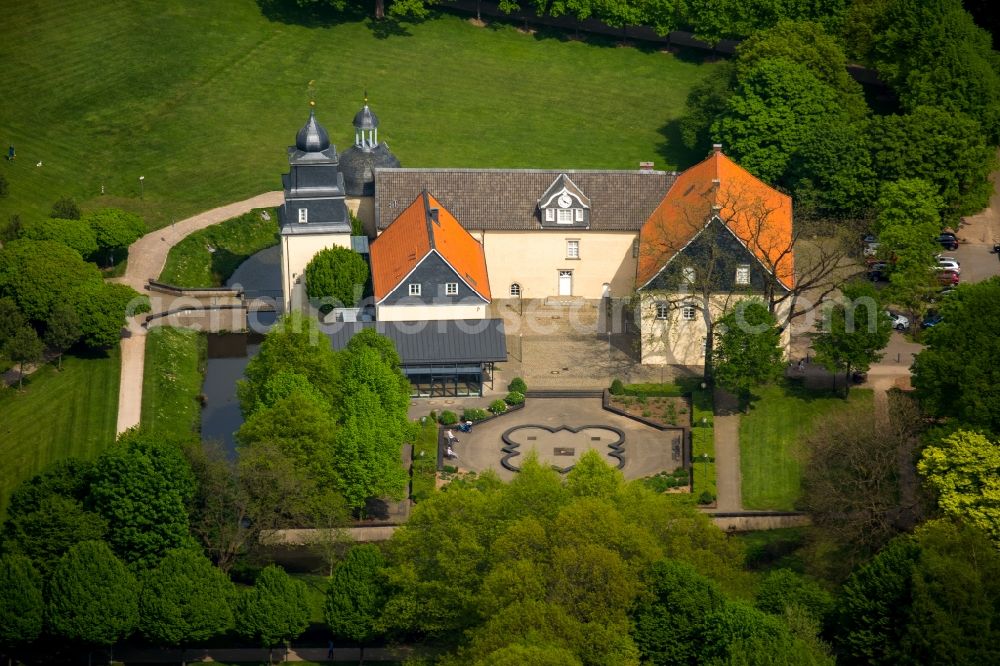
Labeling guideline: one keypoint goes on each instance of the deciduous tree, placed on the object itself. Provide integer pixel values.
(295, 345)
(275, 610)
(747, 348)
(115, 230)
(39, 274)
(185, 599)
(103, 308)
(23, 348)
(336, 273)
(356, 595)
(75, 233)
(65, 208)
(956, 375)
(963, 470)
(93, 597)
(22, 607)
(62, 329)
(50, 529)
(142, 488)
(853, 333)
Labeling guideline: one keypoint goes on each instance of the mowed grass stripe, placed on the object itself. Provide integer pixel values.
(772, 437)
(72, 413)
(202, 98)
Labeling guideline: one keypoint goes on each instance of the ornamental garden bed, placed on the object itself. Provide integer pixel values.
(659, 410)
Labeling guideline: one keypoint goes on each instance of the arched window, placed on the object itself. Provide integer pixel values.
(515, 290)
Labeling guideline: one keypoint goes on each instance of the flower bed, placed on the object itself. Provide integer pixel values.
(660, 410)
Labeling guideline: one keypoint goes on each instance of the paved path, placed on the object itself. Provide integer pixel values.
(727, 452)
(146, 259)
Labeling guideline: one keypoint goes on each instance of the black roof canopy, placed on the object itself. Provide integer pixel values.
(442, 342)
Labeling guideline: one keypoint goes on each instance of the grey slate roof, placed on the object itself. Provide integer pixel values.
(358, 165)
(313, 137)
(507, 199)
(365, 119)
(462, 342)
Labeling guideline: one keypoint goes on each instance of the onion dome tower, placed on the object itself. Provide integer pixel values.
(358, 163)
(314, 213)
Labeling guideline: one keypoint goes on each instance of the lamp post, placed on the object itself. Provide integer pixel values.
(141, 179)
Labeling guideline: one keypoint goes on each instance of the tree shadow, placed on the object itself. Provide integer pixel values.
(224, 262)
(673, 151)
(321, 15)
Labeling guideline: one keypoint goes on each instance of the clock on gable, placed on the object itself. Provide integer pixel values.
(564, 200)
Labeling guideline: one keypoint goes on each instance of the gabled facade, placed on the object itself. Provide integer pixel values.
(425, 266)
(720, 235)
(534, 251)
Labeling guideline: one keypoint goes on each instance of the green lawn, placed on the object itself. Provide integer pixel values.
(424, 470)
(201, 99)
(172, 379)
(72, 413)
(770, 460)
(191, 263)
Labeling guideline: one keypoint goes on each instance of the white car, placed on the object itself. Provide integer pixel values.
(947, 264)
(899, 322)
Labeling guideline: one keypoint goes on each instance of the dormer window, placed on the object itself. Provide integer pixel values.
(550, 214)
(565, 216)
(564, 203)
(303, 215)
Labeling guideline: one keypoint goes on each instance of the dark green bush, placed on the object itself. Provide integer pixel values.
(498, 406)
(517, 385)
(449, 469)
(617, 388)
(448, 417)
(474, 414)
(514, 398)
(706, 497)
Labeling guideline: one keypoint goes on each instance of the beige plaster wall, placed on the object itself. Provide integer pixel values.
(423, 312)
(533, 259)
(364, 209)
(675, 341)
(296, 252)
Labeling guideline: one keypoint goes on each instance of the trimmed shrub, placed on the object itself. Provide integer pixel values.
(517, 385)
(448, 417)
(475, 414)
(514, 398)
(617, 388)
(706, 497)
(498, 406)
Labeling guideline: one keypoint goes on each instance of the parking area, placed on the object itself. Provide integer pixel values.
(547, 425)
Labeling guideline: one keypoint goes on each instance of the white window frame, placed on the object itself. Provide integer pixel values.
(572, 248)
(578, 214)
(550, 214)
(662, 310)
(451, 289)
(414, 288)
(689, 274)
(564, 216)
(688, 312)
(303, 215)
(743, 274)
(515, 289)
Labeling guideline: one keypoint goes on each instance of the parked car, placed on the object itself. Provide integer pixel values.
(899, 322)
(949, 265)
(932, 319)
(948, 278)
(948, 240)
(878, 270)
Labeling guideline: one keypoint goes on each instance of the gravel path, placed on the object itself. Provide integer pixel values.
(146, 259)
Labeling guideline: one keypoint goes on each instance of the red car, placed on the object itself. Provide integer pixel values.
(948, 278)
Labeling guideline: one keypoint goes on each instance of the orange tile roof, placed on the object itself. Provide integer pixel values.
(757, 214)
(413, 235)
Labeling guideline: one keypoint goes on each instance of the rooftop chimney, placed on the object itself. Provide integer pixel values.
(434, 215)
(716, 148)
